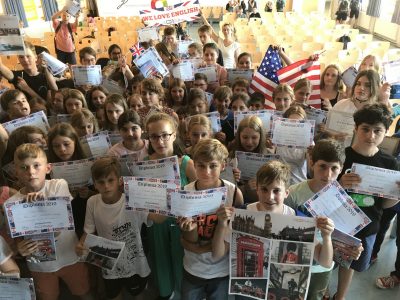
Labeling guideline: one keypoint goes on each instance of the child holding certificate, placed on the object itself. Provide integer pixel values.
(222, 101)
(165, 250)
(272, 188)
(204, 275)
(197, 102)
(239, 102)
(131, 133)
(199, 128)
(177, 94)
(114, 106)
(283, 96)
(210, 56)
(84, 122)
(371, 124)
(326, 163)
(73, 100)
(31, 168)
(106, 215)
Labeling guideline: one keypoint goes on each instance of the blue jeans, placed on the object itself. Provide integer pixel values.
(199, 288)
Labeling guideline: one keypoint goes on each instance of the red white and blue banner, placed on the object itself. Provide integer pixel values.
(167, 12)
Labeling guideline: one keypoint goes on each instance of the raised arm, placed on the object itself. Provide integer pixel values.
(324, 252)
(51, 81)
(6, 72)
(57, 14)
(214, 35)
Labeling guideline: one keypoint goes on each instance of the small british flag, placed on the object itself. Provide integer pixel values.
(136, 50)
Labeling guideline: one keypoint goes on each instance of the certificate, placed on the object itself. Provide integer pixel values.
(340, 121)
(195, 203)
(17, 288)
(196, 62)
(249, 163)
(165, 168)
(87, 75)
(318, 115)
(376, 181)
(148, 33)
(149, 194)
(333, 202)
(234, 74)
(103, 252)
(183, 48)
(94, 145)
(114, 137)
(349, 76)
(11, 40)
(210, 72)
(37, 119)
(183, 70)
(73, 7)
(390, 145)
(209, 97)
(112, 86)
(265, 115)
(227, 173)
(391, 70)
(46, 248)
(293, 133)
(49, 215)
(215, 121)
(54, 66)
(76, 172)
(127, 158)
(151, 64)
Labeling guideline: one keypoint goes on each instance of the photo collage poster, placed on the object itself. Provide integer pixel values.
(271, 255)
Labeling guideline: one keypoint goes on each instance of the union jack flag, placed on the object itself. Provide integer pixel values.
(136, 50)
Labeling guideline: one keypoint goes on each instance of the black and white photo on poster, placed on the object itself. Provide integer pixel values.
(288, 282)
(103, 252)
(294, 253)
(11, 40)
(274, 226)
(249, 256)
(249, 287)
(261, 241)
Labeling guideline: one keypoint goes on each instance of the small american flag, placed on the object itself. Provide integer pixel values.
(136, 50)
(265, 78)
(305, 68)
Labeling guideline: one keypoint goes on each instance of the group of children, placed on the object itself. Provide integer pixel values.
(189, 256)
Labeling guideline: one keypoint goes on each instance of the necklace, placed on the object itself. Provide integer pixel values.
(360, 101)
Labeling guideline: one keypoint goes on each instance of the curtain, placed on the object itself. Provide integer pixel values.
(374, 8)
(92, 6)
(49, 7)
(15, 7)
(396, 13)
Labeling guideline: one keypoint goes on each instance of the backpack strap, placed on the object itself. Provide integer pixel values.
(69, 30)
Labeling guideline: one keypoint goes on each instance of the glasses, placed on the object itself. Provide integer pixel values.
(165, 137)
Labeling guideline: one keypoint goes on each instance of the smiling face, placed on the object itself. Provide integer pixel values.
(63, 147)
(98, 98)
(271, 196)
(19, 107)
(149, 98)
(244, 63)
(31, 172)
(210, 56)
(135, 103)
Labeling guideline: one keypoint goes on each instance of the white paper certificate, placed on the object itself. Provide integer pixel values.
(183, 48)
(293, 133)
(195, 203)
(333, 202)
(95, 144)
(37, 119)
(377, 181)
(73, 7)
(249, 163)
(115, 137)
(183, 70)
(148, 194)
(148, 33)
(53, 64)
(340, 121)
(165, 168)
(17, 288)
(265, 115)
(11, 40)
(391, 71)
(227, 173)
(87, 75)
(318, 115)
(349, 76)
(150, 63)
(76, 172)
(233, 74)
(48, 215)
(210, 72)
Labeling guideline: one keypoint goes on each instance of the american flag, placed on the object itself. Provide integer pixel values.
(136, 50)
(265, 78)
(305, 68)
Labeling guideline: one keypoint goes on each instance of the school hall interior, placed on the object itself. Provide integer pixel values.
(304, 28)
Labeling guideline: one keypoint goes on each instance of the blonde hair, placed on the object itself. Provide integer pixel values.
(201, 120)
(295, 110)
(283, 88)
(105, 166)
(376, 61)
(339, 84)
(303, 82)
(73, 93)
(25, 151)
(78, 117)
(208, 150)
(273, 170)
